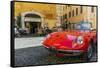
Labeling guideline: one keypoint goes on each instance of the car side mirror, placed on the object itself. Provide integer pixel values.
(93, 29)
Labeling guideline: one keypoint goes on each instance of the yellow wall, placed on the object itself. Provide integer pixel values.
(48, 10)
(51, 23)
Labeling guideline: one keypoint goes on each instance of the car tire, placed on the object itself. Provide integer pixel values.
(90, 52)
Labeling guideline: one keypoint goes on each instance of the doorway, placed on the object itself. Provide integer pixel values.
(34, 27)
(33, 22)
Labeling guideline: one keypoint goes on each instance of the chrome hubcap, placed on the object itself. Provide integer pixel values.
(89, 51)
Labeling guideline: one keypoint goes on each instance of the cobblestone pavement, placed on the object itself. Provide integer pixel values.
(41, 56)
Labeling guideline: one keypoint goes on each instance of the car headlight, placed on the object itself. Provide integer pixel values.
(80, 40)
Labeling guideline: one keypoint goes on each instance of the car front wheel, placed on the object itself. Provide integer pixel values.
(90, 52)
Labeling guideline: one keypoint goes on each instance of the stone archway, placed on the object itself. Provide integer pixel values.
(34, 18)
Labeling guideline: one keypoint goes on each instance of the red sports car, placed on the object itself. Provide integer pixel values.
(72, 42)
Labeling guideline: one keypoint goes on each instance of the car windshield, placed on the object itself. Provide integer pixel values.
(83, 26)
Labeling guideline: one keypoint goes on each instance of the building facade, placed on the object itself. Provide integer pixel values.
(35, 15)
(76, 13)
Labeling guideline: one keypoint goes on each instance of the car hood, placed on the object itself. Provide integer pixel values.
(58, 39)
(67, 41)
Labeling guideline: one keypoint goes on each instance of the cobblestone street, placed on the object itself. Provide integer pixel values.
(28, 51)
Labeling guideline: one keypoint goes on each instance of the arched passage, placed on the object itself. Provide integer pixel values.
(32, 20)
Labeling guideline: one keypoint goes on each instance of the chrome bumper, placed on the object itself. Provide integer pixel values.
(70, 52)
(66, 52)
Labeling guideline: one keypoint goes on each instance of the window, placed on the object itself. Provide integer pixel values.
(73, 13)
(66, 25)
(76, 11)
(63, 8)
(72, 25)
(61, 18)
(92, 9)
(69, 26)
(66, 6)
(81, 9)
(65, 16)
(69, 14)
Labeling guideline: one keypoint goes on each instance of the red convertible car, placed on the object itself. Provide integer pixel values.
(75, 42)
